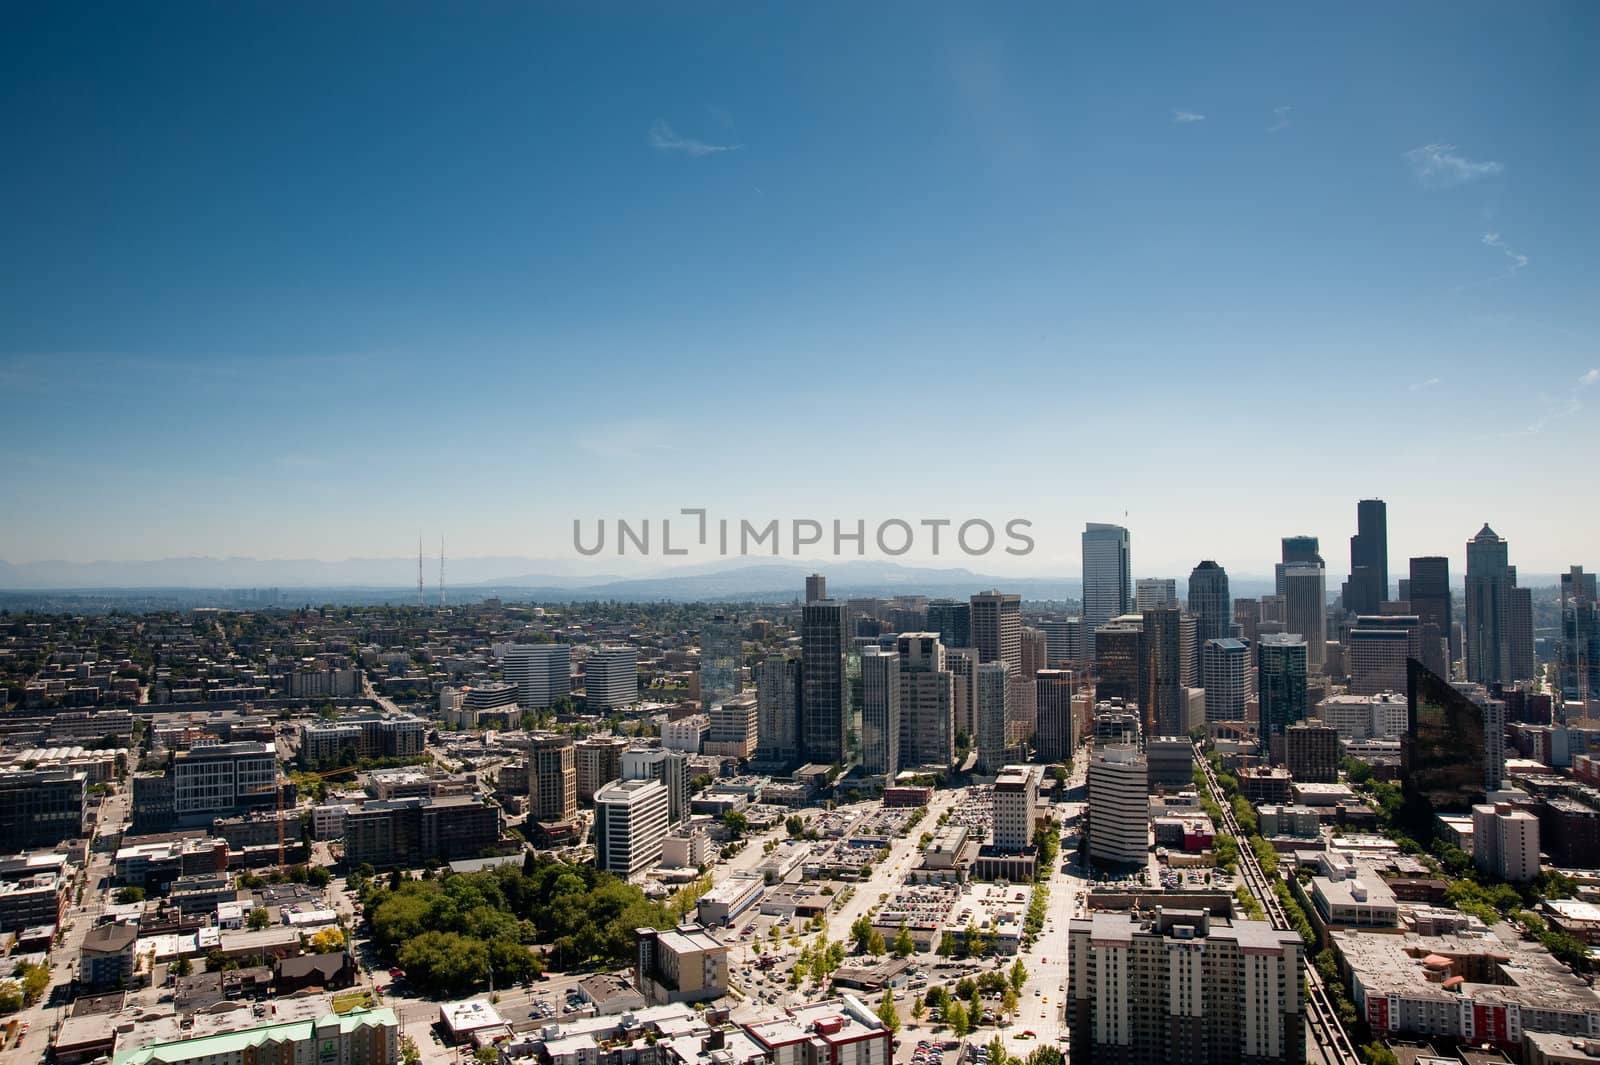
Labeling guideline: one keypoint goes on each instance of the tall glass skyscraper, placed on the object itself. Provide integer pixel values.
(1210, 602)
(1369, 559)
(1454, 749)
(1281, 687)
(824, 685)
(1107, 579)
(719, 661)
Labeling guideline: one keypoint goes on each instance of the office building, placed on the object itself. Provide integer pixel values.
(105, 960)
(1274, 609)
(630, 823)
(1064, 643)
(682, 964)
(214, 780)
(1429, 594)
(1368, 585)
(1453, 754)
(927, 701)
(839, 1031)
(1170, 762)
(997, 628)
(1161, 696)
(411, 832)
(670, 768)
(1210, 602)
(734, 728)
(952, 621)
(1311, 752)
(778, 710)
(1118, 658)
(598, 761)
(1119, 806)
(1152, 592)
(962, 662)
(685, 734)
(1225, 669)
(1578, 651)
(824, 686)
(994, 699)
(1297, 551)
(1505, 842)
(1055, 689)
(1305, 607)
(1247, 621)
(43, 807)
(1107, 580)
(816, 588)
(1184, 986)
(542, 673)
(720, 647)
(1498, 640)
(1016, 800)
(552, 778)
(880, 711)
(611, 678)
(1281, 673)
(1376, 650)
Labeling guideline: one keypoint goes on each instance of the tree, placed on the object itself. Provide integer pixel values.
(1019, 975)
(795, 825)
(997, 1052)
(327, 941)
(129, 895)
(904, 945)
(1046, 1056)
(318, 876)
(956, 1017)
(887, 1013)
(1378, 1054)
(182, 967)
(35, 981)
(259, 918)
(736, 823)
(1008, 1001)
(875, 944)
(918, 1008)
(409, 1054)
(10, 996)
(861, 934)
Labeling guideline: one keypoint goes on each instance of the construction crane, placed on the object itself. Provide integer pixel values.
(342, 771)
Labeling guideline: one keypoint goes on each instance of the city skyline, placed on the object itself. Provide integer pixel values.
(523, 267)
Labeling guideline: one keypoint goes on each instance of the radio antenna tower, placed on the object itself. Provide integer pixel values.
(420, 600)
(441, 570)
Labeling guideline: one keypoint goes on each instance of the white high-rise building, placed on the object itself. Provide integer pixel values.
(1119, 805)
(630, 823)
(1016, 797)
(1505, 842)
(1225, 670)
(1152, 592)
(669, 767)
(1107, 584)
(994, 698)
(1305, 608)
(927, 701)
(880, 711)
(611, 677)
(542, 673)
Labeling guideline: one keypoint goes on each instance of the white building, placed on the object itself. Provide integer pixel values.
(1505, 842)
(1119, 805)
(542, 673)
(686, 733)
(611, 677)
(880, 711)
(630, 824)
(1016, 796)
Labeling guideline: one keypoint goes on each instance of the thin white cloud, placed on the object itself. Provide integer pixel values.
(1281, 119)
(665, 139)
(1572, 405)
(1429, 383)
(1518, 261)
(1438, 166)
(1184, 117)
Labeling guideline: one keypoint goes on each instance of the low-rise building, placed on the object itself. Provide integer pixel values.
(840, 1031)
(682, 964)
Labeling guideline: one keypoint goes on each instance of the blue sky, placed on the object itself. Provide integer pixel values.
(292, 280)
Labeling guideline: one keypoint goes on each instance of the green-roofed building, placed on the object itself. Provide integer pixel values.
(360, 1037)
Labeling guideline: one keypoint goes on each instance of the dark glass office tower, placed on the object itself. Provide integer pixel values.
(1210, 602)
(1281, 688)
(1454, 750)
(952, 621)
(1161, 672)
(824, 686)
(1369, 559)
(1430, 598)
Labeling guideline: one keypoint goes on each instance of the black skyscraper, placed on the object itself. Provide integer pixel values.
(1297, 551)
(1369, 559)
(1430, 597)
(952, 621)
(1209, 602)
(1453, 753)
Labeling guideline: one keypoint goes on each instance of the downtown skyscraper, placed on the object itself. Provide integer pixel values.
(1431, 601)
(1107, 574)
(824, 685)
(1499, 633)
(1210, 602)
(1297, 551)
(1369, 559)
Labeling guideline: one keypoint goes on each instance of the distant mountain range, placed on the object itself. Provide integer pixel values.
(515, 577)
